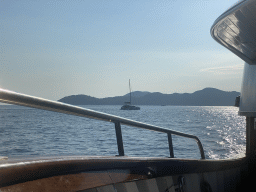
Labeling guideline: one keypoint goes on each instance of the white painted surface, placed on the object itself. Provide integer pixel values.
(248, 91)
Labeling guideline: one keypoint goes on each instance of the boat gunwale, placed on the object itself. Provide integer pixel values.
(13, 171)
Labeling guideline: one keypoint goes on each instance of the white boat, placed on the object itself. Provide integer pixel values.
(235, 29)
(128, 105)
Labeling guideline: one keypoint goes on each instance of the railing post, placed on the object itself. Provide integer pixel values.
(119, 139)
(200, 146)
(170, 145)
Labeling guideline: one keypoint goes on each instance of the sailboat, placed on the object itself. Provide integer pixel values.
(128, 105)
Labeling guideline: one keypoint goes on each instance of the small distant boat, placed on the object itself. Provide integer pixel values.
(128, 105)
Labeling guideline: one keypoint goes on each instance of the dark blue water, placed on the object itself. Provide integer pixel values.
(32, 132)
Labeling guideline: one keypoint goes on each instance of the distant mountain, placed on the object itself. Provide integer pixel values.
(205, 97)
(138, 93)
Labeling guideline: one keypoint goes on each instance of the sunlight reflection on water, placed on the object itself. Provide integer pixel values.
(26, 132)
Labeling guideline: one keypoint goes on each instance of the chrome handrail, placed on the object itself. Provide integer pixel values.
(10, 97)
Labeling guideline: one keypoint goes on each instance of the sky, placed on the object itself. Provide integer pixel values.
(53, 49)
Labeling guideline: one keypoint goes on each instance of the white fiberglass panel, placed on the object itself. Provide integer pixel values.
(248, 91)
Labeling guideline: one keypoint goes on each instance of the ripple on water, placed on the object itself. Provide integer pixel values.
(36, 132)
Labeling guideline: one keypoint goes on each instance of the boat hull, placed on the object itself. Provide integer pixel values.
(122, 174)
(130, 107)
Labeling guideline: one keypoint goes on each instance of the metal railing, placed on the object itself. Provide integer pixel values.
(35, 102)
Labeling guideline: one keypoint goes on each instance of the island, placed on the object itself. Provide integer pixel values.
(204, 97)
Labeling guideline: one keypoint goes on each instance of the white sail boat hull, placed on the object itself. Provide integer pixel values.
(129, 107)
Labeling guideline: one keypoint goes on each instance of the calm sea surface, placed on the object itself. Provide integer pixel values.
(32, 132)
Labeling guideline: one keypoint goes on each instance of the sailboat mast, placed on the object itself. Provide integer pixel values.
(130, 92)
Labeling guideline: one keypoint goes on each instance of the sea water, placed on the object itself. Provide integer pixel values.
(26, 132)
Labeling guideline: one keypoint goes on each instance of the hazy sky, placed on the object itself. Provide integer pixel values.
(52, 49)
